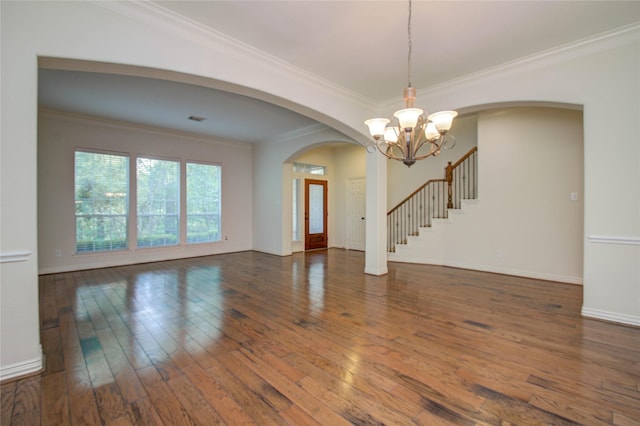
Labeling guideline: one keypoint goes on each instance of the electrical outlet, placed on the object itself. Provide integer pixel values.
(498, 252)
(58, 252)
(574, 196)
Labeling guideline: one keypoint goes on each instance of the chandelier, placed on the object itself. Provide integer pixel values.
(412, 135)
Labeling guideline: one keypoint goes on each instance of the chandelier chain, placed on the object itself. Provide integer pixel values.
(411, 129)
(410, 47)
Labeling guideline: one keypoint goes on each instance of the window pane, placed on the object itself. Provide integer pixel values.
(101, 201)
(316, 209)
(309, 169)
(295, 217)
(158, 184)
(203, 203)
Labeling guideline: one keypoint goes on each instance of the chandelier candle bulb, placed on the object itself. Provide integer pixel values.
(391, 135)
(431, 132)
(408, 117)
(377, 126)
(443, 120)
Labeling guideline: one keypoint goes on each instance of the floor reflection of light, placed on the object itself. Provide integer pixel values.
(205, 294)
(316, 280)
(350, 370)
(149, 297)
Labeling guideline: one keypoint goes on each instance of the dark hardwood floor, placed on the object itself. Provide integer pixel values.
(250, 338)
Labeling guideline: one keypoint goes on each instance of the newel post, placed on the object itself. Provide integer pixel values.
(448, 175)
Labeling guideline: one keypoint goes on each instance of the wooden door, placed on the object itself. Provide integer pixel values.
(315, 214)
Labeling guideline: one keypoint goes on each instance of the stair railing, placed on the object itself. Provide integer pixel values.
(433, 199)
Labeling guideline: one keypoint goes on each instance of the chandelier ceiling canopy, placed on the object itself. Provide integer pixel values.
(412, 135)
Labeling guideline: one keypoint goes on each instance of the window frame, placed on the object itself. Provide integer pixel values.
(186, 201)
(178, 215)
(127, 203)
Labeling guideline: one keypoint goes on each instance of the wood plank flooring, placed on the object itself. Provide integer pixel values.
(250, 338)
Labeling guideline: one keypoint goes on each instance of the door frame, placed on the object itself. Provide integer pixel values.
(322, 242)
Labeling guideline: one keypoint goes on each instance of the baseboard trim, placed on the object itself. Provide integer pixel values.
(376, 271)
(611, 316)
(492, 269)
(606, 239)
(521, 273)
(22, 369)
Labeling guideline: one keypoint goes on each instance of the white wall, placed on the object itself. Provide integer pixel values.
(60, 134)
(403, 180)
(524, 222)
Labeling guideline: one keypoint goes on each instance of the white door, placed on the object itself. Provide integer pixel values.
(356, 207)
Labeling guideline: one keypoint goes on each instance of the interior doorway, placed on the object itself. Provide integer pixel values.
(315, 214)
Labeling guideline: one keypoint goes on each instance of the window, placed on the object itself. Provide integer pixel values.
(203, 203)
(158, 194)
(295, 216)
(311, 169)
(101, 201)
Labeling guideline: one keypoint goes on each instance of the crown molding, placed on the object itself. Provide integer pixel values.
(579, 48)
(297, 133)
(313, 130)
(158, 16)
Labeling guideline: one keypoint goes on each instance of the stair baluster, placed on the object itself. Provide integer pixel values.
(428, 201)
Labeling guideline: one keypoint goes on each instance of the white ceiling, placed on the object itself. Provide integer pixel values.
(360, 45)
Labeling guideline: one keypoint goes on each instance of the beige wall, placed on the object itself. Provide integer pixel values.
(524, 222)
(343, 162)
(60, 134)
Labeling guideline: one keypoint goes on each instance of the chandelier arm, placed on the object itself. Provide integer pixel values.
(400, 148)
(431, 153)
(400, 144)
(420, 136)
(385, 153)
(422, 140)
(438, 144)
(448, 138)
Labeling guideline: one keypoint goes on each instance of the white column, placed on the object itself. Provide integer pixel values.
(376, 228)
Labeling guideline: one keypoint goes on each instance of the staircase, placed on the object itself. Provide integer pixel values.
(433, 200)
